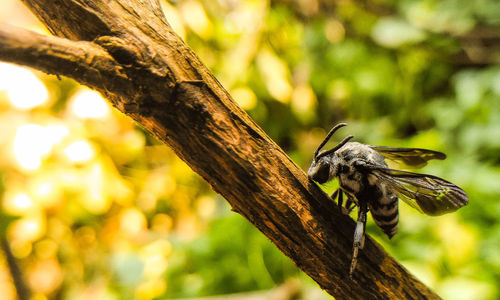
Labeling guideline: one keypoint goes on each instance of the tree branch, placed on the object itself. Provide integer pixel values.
(23, 293)
(177, 98)
(88, 62)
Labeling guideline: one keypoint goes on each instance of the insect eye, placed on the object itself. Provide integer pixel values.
(320, 173)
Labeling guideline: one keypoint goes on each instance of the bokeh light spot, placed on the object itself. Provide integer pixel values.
(89, 104)
(245, 97)
(22, 202)
(79, 151)
(132, 221)
(196, 18)
(25, 91)
(31, 144)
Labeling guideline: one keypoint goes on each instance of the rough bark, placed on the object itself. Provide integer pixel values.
(126, 50)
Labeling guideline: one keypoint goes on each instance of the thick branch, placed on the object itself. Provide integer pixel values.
(178, 99)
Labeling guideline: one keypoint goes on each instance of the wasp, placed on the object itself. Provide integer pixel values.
(368, 183)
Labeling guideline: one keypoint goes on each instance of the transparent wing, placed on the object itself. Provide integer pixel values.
(426, 193)
(409, 157)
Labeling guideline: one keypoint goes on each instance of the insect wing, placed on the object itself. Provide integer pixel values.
(409, 157)
(426, 193)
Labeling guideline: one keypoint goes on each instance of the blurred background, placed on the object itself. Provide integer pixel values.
(94, 207)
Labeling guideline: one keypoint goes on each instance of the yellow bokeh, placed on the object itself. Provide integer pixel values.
(275, 74)
(6, 285)
(158, 184)
(97, 201)
(28, 228)
(334, 31)
(154, 257)
(205, 206)
(15, 79)
(174, 18)
(20, 249)
(45, 249)
(162, 223)
(45, 276)
(245, 97)
(459, 240)
(95, 185)
(45, 190)
(88, 104)
(79, 151)
(150, 289)
(18, 203)
(304, 102)
(34, 142)
(132, 222)
(195, 17)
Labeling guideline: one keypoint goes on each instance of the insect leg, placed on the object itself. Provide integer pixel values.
(340, 201)
(337, 193)
(350, 204)
(359, 235)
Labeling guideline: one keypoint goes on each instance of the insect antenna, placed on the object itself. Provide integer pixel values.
(344, 141)
(328, 136)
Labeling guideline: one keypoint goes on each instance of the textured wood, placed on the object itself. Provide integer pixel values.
(148, 73)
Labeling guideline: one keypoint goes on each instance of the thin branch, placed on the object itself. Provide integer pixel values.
(17, 277)
(87, 62)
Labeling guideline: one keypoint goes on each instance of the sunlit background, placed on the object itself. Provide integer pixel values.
(93, 207)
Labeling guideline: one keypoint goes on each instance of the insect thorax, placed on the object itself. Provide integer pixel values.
(352, 166)
(347, 160)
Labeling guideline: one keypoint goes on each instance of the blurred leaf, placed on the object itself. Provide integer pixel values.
(393, 32)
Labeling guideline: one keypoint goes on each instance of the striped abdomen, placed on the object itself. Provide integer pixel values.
(384, 211)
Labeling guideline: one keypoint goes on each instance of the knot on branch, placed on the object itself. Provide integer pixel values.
(123, 52)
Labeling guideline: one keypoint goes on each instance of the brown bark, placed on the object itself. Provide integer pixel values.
(132, 56)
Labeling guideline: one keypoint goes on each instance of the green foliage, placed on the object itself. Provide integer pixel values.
(231, 257)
